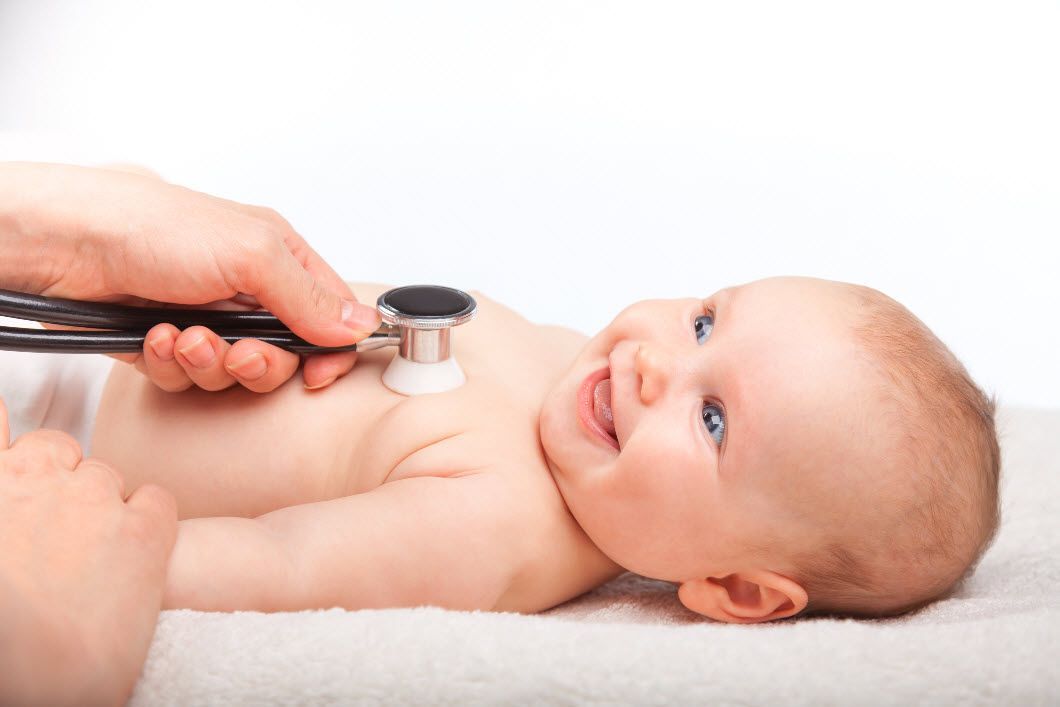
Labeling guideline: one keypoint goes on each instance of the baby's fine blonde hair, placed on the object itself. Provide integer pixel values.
(947, 462)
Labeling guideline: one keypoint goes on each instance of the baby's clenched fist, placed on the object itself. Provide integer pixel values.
(81, 572)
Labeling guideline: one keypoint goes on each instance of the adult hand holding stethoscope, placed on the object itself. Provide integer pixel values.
(82, 569)
(110, 235)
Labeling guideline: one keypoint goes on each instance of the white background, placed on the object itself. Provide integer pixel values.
(570, 158)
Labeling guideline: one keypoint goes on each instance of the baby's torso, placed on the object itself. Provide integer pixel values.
(238, 453)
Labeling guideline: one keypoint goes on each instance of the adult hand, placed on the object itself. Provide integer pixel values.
(107, 235)
(82, 575)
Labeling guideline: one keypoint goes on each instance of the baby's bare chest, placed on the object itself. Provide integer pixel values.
(243, 454)
(479, 426)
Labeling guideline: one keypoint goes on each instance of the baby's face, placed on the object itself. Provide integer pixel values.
(717, 432)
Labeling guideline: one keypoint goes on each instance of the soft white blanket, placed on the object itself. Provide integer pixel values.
(631, 642)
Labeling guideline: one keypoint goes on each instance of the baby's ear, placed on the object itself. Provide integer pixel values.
(744, 597)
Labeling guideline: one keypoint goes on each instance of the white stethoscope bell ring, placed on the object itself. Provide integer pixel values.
(421, 316)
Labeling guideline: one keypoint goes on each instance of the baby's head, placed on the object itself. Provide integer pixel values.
(788, 446)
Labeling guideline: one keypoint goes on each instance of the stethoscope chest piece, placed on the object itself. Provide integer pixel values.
(425, 316)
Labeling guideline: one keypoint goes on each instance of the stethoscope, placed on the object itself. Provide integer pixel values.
(417, 319)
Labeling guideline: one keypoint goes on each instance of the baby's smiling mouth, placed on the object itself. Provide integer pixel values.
(591, 401)
(602, 407)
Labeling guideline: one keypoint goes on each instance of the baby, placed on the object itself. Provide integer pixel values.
(791, 446)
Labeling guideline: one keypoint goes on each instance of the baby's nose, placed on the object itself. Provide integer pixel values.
(656, 368)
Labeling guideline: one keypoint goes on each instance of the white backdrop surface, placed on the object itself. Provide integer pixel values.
(569, 158)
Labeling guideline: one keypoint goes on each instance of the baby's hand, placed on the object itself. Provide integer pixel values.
(175, 360)
(82, 571)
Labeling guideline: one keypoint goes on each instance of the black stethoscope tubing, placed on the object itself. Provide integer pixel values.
(129, 326)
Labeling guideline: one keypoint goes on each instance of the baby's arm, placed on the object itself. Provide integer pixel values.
(417, 541)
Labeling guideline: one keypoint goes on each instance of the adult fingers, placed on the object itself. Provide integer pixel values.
(258, 366)
(306, 256)
(313, 310)
(272, 273)
(159, 362)
(317, 266)
(201, 354)
(321, 370)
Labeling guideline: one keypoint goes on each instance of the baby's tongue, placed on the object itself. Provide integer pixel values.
(602, 405)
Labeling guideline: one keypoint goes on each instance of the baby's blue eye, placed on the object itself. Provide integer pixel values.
(714, 419)
(704, 325)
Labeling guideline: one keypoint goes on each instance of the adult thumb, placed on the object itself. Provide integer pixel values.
(311, 309)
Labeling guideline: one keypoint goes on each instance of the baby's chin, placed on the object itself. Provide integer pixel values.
(554, 417)
(569, 450)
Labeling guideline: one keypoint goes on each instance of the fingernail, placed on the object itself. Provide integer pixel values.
(250, 368)
(199, 354)
(318, 386)
(162, 345)
(359, 317)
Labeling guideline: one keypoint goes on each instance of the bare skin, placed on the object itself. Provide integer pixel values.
(495, 496)
(60, 646)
